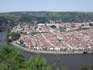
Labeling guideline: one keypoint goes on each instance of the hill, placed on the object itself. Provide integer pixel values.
(43, 16)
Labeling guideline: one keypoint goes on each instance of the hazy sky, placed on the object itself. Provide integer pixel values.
(46, 5)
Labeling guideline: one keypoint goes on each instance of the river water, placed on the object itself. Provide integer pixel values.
(3, 38)
(71, 62)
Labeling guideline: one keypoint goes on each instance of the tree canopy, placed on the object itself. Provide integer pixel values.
(13, 36)
(43, 17)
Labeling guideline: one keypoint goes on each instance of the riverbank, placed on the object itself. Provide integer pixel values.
(47, 52)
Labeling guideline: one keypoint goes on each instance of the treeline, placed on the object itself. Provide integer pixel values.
(43, 17)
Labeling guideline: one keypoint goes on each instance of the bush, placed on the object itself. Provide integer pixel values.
(13, 36)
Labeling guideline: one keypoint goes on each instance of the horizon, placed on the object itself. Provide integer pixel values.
(46, 5)
(46, 11)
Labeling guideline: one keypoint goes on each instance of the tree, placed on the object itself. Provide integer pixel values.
(13, 36)
(10, 59)
(91, 67)
(49, 67)
(84, 68)
(37, 63)
(62, 68)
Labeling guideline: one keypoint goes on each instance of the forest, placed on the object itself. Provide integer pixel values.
(44, 17)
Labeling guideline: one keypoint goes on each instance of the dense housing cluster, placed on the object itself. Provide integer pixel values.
(65, 37)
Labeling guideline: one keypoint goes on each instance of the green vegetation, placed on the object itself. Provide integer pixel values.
(42, 17)
(13, 36)
(85, 68)
(25, 18)
(34, 33)
(11, 59)
(37, 63)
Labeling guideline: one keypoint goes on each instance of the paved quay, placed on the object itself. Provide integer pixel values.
(42, 51)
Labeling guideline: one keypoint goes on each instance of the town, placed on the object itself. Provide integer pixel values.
(46, 34)
(56, 37)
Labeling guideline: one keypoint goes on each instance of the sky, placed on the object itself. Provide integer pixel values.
(46, 5)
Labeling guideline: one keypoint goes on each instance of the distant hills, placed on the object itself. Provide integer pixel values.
(43, 16)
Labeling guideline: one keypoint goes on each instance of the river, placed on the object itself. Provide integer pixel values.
(71, 62)
(3, 38)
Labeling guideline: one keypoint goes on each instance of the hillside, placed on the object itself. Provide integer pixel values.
(42, 17)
